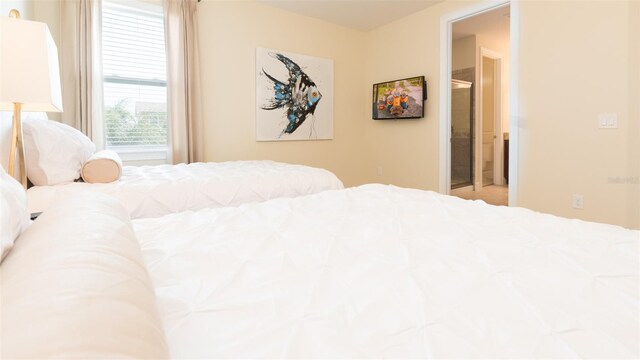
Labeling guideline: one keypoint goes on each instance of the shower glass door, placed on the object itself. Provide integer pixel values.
(461, 133)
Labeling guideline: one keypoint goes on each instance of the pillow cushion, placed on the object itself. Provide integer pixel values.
(75, 286)
(14, 214)
(55, 152)
(102, 167)
(34, 115)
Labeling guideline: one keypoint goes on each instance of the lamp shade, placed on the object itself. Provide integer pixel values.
(29, 71)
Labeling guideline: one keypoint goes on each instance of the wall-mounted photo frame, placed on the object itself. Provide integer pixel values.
(399, 99)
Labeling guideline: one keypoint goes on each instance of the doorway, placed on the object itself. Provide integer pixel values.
(480, 46)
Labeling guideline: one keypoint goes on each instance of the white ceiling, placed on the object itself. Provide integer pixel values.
(493, 21)
(362, 15)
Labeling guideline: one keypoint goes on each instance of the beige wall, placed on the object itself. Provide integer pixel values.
(48, 11)
(463, 53)
(498, 41)
(407, 151)
(230, 32)
(633, 134)
(576, 59)
(579, 59)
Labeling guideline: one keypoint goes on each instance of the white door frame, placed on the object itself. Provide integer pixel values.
(446, 38)
(497, 124)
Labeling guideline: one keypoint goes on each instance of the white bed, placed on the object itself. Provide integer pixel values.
(152, 191)
(374, 271)
(380, 271)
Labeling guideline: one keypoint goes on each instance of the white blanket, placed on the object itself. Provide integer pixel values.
(152, 191)
(380, 271)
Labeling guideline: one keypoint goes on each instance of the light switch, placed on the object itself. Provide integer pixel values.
(602, 121)
(608, 121)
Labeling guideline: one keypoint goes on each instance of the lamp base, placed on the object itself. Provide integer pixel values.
(17, 146)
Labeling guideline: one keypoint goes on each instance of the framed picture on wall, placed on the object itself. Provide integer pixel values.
(294, 96)
(399, 99)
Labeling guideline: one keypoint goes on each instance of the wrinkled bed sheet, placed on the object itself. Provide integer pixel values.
(152, 191)
(381, 271)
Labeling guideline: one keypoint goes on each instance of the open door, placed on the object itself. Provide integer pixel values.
(490, 152)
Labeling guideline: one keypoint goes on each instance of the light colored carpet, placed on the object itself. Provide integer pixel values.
(492, 194)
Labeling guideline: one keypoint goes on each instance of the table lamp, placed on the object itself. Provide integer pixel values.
(29, 77)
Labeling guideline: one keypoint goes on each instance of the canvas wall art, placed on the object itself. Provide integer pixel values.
(294, 96)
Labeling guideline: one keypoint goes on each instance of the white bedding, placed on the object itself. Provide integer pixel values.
(380, 271)
(152, 191)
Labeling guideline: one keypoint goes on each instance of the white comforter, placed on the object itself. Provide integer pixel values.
(380, 271)
(152, 191)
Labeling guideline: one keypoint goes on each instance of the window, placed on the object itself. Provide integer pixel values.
(135, 79)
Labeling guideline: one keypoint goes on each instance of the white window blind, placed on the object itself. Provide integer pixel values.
(135, 80)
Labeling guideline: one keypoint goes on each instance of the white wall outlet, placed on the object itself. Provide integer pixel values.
(608, 121)
(379, 170)
(578, 201)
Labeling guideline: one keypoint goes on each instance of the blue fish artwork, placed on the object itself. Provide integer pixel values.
(299, 95)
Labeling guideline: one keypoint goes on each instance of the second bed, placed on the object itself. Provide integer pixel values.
(152, 191)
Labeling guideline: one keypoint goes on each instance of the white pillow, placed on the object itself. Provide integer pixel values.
(34, 115)
(55, 152)
(102, 167)
(14, 214)
(75, 287)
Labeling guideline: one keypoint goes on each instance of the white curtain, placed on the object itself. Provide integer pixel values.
(81, 67)
(183, 82)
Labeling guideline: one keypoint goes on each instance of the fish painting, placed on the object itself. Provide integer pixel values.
(298, 95)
